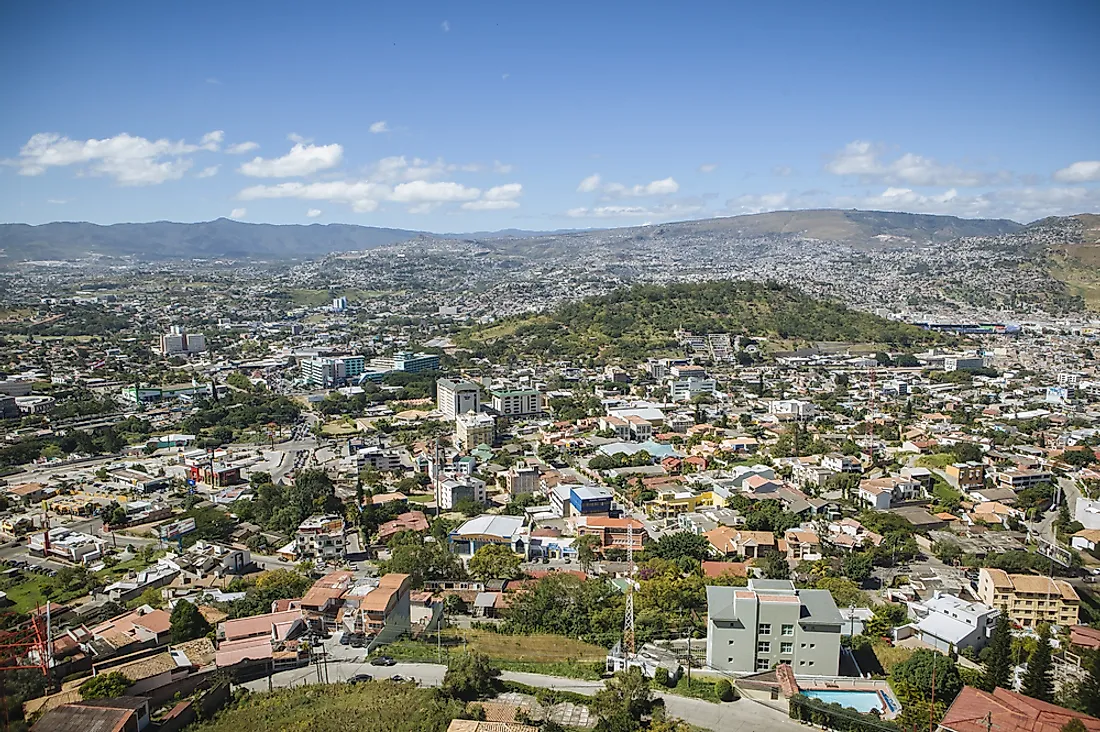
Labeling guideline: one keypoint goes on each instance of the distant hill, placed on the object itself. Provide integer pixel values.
(1070, 246)
(225, 238)
(639, 321)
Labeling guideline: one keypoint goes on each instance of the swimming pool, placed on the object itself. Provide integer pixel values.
(861, 701)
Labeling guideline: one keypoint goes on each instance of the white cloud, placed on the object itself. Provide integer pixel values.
(129, 159)
(212, 80)
(759, 203)
(302, 159)
(708, 167)
(504, 77)
(419, 191)
(241, 148)
(446, 26)
(1079, 172)
(864, 159)
(208, 172)
(238, 213)
(663, 212)
(484, 205)
(497, 198)
(379, 127)
(589, 184)
(782, 171)
(313, 213)
(502, 168)
(57, 201)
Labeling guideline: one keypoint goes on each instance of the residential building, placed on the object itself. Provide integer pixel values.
(178, 342)
(1008, 711)
(727, 542)
(473, 429)
(882, 493)
(329, 372)
(962, 363)
(406, 361)
(118, 714)
(619, 426)
(1029, 600)
(950, 624)
(379, 609)
(517, 402)
(456, 490)
(966, 477)
(509, 531)
(793, 409)
(671, 503)
(769, 622)
(800, 545)
(682, 390)
(320, 537)
(409, 521)
(810, 475)
(376, 458)
(521, 481)
(840, 463)
(457, 397)
(614, 533)
(1020, 478)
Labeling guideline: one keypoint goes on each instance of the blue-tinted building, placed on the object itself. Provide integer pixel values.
(589, 500)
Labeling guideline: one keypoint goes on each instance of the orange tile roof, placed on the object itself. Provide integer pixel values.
(717, 569)
(257, 624)
(973, 710)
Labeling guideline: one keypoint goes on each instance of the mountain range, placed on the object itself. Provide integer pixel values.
(226, 238)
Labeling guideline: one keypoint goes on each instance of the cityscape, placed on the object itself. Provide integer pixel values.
(401, 444)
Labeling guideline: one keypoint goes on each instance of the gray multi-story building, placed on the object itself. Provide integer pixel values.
(754, 628)
(457, 397)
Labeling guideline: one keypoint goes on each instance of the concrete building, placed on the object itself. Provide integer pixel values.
(1029, 600)
(178, 342)
(753, 628)
(682, 390)
(406, 361)
(882, 493)
(521, 481)
(962, 363)
(320, 537)
(453, 491)
(614, 533)
(457, 397)
(509, 531)
(840, 463)
(329, 372)
(966, 477)
(473, 429)
(517, 402)
(793, 409)
(950, 624)
(1020, 478)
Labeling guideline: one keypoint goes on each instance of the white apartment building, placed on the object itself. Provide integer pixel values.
(457, 397)
(473, 429)
(517, 402)
(320, 537)
(793, 409)
(455, 490)
(950, 624)
(682, 390)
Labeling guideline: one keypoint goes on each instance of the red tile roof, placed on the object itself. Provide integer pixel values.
(973, 710)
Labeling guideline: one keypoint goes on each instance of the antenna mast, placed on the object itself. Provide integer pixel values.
(628, 621)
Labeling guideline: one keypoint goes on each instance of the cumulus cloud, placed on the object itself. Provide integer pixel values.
(663, 187)
(1079, 172)
(708, 167)
(420, 191)
(313, 213)
(864, 160)
(238, 213)
(302, 159)
(379, 127)
(589, 184)
(501, 168)
(497, 198)
(667, 211)
(208, 172)
(129, 159)
(241, 148)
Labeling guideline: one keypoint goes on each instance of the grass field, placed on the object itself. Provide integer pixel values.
(939, 460)
(340, 428)
(378, 706)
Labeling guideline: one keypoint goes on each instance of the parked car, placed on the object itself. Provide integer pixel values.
(397, 677)
(345, 638)
(358, 641)
(360, 679)
(382, 661)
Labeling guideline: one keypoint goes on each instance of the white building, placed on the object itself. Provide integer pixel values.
(950, 624)
(455, 490)
(178, 342)
(457, 397)
(473, 429)
(517, 402)
(682, 390)
(793, 409)
(320, 537)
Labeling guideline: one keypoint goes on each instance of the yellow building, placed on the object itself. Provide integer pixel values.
(966, 476)
(1029, 600)
(672, 503)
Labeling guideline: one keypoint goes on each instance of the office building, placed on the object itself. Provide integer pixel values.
(473, 429)
(1028, 599)
(178, 342)
(769, 622)
(406, 361)
(793, 409)
(614, 533)
(456, 490)
(339, 304)
(517, 402)
(325, 373)
(962, 363)
(682, 390)
(457, 397)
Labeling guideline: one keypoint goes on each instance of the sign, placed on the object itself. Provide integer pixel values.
(172, 529)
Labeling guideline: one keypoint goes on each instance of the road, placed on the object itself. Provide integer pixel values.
(741, 716)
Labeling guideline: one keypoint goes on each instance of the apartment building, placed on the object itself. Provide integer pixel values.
(320, 537)
(178, 342)
(840, 463)
(517, 402)
(1028, 599)
(473, 429)
(682, 390)
(949, 624)
(1020, 478)
(793, 409)
(457, 397)
(406, 361)
(521, 481)
(753, 628)
(453, 491)
(324, 373)
(882, 493)
(966, 477)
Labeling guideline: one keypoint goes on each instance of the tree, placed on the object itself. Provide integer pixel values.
(1038, 681)
(913, 677)
(998, 669)
(469, 676)
(723, 691)
(774, 566)
(494, 561)
(857, 567)
(105, 686)
(1074, 725)
(886, 616)
(680, 544)
(845, 592)
(627, 696)
(187, 622)
(947, 552)
(1090, 686)
(587, 546)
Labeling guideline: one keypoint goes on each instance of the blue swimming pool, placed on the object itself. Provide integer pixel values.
(861, 701)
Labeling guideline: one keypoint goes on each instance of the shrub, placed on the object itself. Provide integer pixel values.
(661, 677)
(723, 691)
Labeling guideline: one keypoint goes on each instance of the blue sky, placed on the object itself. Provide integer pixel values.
(474, 116)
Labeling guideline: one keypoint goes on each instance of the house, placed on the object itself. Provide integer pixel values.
(1086, 539)
(753, 628)
(31, 493)
(142, 627)
(614, 533)
(810, 475)
(320, 537)
(408, 521)
(1083, 636)
(712, 570)
(1029, 600)
(379, 609)
(966, 477)
(1007, 711)
(950, 624)
(726, 541)
(120, 714)
(882, 493)
(800, 545)
(840, 463)
(992, 512)
(323, 601)
(849, 534)
(280, 626)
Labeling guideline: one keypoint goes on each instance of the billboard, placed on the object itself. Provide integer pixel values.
(171, 529)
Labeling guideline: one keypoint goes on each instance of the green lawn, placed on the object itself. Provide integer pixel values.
(939, 460)
(541, 654)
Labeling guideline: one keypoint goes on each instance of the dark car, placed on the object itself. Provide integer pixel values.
(382, 661)
(360, 679)
(345, 638)
(358, 641)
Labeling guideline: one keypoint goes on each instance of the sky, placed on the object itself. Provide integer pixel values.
(459, 116)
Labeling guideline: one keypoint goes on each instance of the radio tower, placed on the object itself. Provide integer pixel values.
(628, 621)
(871, 409)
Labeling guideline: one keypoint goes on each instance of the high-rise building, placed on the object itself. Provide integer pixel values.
(406, 361)
(457, 397)
(517, 402)
(178, 342)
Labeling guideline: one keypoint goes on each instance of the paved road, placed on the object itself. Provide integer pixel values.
(740, 716)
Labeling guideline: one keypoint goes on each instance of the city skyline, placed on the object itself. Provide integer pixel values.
(457, 119)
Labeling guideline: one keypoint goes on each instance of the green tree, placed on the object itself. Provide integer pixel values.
(587, 546)
(105, 686)
(914, 675)
(998, 669)
(774, 566)
(679, 544)
(1038, 681)
(1074, 725)
(1090, 685)
(469, 676)
(494, 561)
(187, 622)
(626, 696)
(857, 567)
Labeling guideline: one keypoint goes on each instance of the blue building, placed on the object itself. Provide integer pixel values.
(589, 500)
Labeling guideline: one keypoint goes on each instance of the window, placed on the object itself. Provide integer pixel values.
(786, 648)
(765, 629)
(762, 664)
(729, 660)
(730, 641)
(764, 647)
(788, 629)
(811, 663)
(813, 645)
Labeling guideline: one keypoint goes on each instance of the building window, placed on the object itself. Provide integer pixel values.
(762, 664)
(788, 629)
(811, 663)
(786, 648)
(730, 641)
(813, 645)
(764, 647)
(729, 660)
(765, 629)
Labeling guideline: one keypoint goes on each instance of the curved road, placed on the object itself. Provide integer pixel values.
(741, 716)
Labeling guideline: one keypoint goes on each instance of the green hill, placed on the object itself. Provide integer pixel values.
(641, 321)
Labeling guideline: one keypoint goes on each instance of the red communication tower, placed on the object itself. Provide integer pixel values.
(26, 646)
